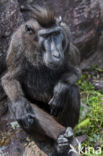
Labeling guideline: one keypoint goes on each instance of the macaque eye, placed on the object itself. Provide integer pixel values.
(29, 29)
(45, 35)
(56, 33)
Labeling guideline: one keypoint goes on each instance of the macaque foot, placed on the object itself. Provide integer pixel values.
(26, 121)
(64, 140)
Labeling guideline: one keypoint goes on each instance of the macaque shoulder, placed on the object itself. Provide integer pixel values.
(15, 48)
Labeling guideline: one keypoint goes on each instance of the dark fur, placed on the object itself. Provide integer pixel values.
(29, 79)
(45, 17)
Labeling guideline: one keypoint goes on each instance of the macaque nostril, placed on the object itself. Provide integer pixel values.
(56, 56)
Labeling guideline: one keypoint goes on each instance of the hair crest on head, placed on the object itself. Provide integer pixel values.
(44, 16)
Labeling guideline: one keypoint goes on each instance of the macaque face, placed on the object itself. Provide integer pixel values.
(52, 43)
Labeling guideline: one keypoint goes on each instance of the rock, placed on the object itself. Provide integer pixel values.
(76, 145)
(79, 139)
(84, 111)
(10, 19)
(33, 150)
(98, 84)
(96, 59)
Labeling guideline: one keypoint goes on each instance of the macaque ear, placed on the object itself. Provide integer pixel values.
(59, 20)
(29, 29)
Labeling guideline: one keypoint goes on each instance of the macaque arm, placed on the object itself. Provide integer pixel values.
(69, 78)
(72, 76)
(10, 80)
(62, 89)
(12, 86)
(19, 105)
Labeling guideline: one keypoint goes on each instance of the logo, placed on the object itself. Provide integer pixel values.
(80, 150)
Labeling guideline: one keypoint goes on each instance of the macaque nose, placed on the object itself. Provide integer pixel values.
(56, 55)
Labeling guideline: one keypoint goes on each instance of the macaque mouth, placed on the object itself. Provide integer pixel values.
(55, 65)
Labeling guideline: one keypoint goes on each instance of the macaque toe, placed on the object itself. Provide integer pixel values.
(64, 140)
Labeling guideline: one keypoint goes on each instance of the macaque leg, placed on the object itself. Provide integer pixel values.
(70, 114)
(46, 124)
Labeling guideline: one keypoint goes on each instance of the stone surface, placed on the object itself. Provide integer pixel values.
(98, 84)
(10, 19)
(96, 59)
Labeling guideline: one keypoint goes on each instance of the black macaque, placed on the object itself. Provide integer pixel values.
(42, 67)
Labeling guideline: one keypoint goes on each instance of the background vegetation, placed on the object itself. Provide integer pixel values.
(91, 118)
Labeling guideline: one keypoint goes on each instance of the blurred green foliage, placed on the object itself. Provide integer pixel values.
(92, 125)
